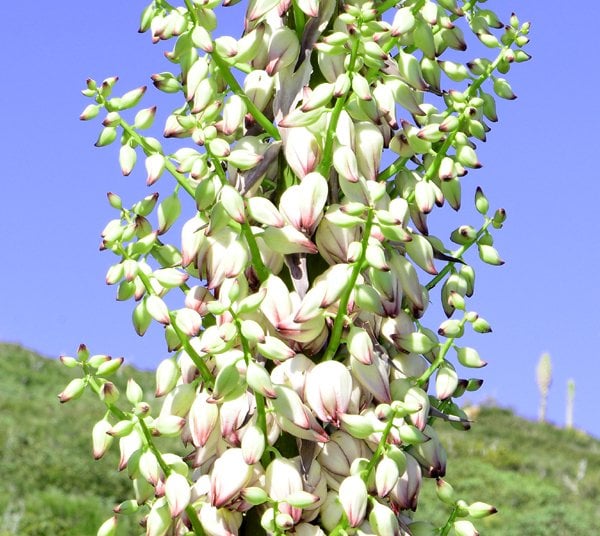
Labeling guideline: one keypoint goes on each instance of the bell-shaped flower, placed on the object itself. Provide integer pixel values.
(302, 204)
(282, 479)
(177, 492)
(302, 151)
(405, 493)
(345, 163)
(328, 389)
(253, 444)
(295, 417)
(334, 241)
(337, 455)
(430, 454)
(374, 378)
(383, 520)
(229, 475)
(287, 240)
(227, 257)
(219, 521)
(283, 49)
(353, 498)
(233, 415)
(202, 419)
(292, 373)
(360, 345)
(258, 86)
(369, 146)
(386, 475)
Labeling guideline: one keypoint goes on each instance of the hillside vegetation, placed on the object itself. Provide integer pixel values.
(543, 480)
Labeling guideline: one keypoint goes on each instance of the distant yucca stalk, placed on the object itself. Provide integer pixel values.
(570, 403)
(305, 376)
(544, 381)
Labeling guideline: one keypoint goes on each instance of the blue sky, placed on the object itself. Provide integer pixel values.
(540, 163)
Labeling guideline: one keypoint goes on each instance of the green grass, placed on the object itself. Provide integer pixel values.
(50, 484)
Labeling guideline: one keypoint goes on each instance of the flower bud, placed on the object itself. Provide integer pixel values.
(254, 495)
(177, 493)
(282, 480)
(73, 390)
(420, 250)
(353, 498)
(328, 389)
(478, 510)
(158, 520)
(302, 151)
(464, 527)
(386, 476)
(446, 381)
(502, 89)
(253, 444)
(110, 367)
(108, 528)
(101, 441)
(167, 374)
(405, 493)
(404, 21)
(383, 520)
(229, 475)
(445, 492)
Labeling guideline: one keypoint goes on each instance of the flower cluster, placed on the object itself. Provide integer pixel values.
(304, 384)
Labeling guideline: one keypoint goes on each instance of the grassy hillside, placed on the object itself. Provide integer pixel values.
(543, 480)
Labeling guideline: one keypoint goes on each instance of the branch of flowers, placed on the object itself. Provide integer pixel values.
(189, 510)
(436, 363)
(325, 165)
(259, 266)
(261, 270)
(261, 416)
(207, 377)
(338, 324)
(148, 149)
(458, 254)
(198, 361)
(92, 382)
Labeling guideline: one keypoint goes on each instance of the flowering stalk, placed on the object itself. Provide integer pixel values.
(301, 358)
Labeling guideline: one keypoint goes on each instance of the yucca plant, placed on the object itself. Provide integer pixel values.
(303, 378)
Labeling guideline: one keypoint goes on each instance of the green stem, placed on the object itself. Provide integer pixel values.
(261, 270)
(436, 363)
(393, 168)
(380, 447)
(260, 118)
(325, 165)
(92, 382)
(207, 377)
(338, 324)
(189, 510)
(261, 416)
(446, 528)
(257, 263)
